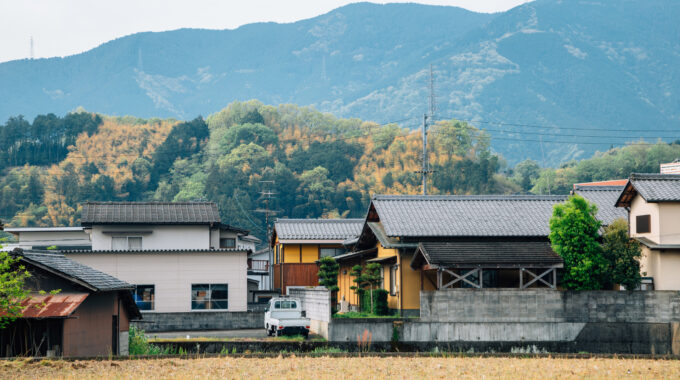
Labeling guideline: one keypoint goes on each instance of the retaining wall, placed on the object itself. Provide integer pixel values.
(203, 320)
(530, 321)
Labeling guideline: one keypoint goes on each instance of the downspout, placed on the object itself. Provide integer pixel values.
(401, 283)
(118, 325)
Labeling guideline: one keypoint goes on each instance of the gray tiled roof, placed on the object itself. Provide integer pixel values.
(461, 215)
(511, 253)
(604, 197)
(318, 229)
(70, 268)
(149, 213)
(188, 251)
(657, 187)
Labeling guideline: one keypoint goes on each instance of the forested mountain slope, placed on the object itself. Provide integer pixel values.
(322, 166)
(549, 80)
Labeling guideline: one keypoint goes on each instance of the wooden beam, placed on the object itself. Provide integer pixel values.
(462, 278)
(540, 278)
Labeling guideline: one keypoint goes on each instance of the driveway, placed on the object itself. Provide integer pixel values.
(246, 333)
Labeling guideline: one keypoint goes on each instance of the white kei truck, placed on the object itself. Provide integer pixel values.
(284, 315)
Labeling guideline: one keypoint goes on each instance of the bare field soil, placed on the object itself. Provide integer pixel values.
(341, 368)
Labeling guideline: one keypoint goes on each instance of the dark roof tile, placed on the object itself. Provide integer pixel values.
(149, 213)
(466, 215)
(70, 268)
(318, 229)
(604, 197)
(501, 253)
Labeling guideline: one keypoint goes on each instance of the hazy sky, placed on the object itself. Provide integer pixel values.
(65, 27)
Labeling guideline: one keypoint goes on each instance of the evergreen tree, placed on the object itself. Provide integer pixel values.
(622, 254)
(574, 234)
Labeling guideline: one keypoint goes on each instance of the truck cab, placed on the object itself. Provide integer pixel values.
(284, 315)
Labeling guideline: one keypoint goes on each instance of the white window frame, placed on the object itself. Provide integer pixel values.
(127, 243)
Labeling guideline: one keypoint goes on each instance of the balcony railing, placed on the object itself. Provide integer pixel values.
(258, 265)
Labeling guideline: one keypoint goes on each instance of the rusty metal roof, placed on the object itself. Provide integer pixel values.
(52, 306)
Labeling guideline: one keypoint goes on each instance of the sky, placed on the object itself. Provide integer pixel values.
(66, 27)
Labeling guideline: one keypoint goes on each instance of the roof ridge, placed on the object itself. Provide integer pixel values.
(654, 176)
(354, 220)
(509, 197)
(148, 203)
(599, 187)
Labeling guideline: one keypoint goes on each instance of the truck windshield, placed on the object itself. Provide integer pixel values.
(285, 305)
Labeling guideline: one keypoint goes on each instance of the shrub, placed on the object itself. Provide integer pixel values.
(380, 306)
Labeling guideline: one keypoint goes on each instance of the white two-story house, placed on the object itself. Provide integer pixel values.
(180, 256)
(653, 204)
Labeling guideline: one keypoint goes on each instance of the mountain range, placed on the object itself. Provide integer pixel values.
(549, 80)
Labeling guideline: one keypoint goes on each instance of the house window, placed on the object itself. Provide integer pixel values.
(393, 280)
(643, 224)
(126, 243)
(228, 243)
(324, 252)
(209, 296)
(145, 296)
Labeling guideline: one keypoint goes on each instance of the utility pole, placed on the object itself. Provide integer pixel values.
(433, 108)
(266, 194)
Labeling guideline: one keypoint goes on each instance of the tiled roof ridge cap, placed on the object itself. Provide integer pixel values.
(654, 176)
(469, 197)
(599, 187)
(150, 203)
(341, 220)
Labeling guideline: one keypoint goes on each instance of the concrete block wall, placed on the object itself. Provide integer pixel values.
(544, 305)
(316, 302)
(197, 321)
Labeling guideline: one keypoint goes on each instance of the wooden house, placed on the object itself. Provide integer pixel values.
(89, 315)
(299, 243)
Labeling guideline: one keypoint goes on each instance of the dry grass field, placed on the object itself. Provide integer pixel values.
(339, 368)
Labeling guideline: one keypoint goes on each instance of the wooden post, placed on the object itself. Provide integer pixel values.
(439, 279)
(521, 279)
(481, 278)
(554, 276)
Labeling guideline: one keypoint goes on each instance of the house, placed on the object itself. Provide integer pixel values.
(653, 205)
(439, 241)
(89, 316)
(44, 237)
(179, 256)
(258, 267)
(299, 243)
(604, 197)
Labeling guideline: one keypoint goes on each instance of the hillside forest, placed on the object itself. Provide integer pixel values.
(320, 165)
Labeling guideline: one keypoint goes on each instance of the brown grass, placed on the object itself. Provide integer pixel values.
(342, 368)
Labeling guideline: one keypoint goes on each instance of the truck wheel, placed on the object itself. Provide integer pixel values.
(269, 331)
(305, 334)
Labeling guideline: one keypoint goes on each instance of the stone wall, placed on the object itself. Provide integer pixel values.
(204, 320)
(316, 302)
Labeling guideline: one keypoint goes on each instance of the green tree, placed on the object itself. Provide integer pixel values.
(622, 254)
(328, 276)
(574, 236)
(359, 282)
(12, 290)
(373, 278)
